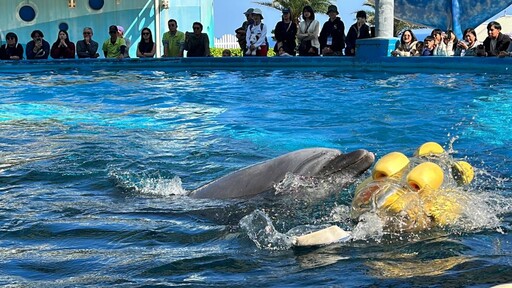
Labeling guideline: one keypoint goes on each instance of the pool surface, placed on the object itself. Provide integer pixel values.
(95, 165)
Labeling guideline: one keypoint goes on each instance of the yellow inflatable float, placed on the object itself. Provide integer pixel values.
(408, 194)
(414, 193)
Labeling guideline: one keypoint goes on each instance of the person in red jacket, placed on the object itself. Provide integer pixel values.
(63, 48)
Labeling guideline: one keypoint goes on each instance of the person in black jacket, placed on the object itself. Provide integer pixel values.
(359, 30)
(285, 32)
(332, 36)
(197, 44)
(87, 48)
(496, 41)
(12, 50)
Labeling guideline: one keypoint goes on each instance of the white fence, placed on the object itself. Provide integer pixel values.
(226, 41)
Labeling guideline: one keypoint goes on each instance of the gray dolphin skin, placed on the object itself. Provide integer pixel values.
(261, 177)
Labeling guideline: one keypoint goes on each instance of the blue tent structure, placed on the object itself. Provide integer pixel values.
(456, 15)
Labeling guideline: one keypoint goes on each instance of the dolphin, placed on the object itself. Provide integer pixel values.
(262, 177)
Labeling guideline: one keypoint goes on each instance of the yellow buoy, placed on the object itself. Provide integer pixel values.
(463, 172)
(429, 148)
(425, 175)
(389, 165)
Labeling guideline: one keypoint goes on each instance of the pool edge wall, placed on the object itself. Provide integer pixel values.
(489, 65)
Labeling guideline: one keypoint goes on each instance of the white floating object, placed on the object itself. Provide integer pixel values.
(321, 237)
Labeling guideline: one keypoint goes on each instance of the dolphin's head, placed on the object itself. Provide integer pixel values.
(317, 173)
(350, 164)
(327, 162)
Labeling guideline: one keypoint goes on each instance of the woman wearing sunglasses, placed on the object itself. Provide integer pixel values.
(146, 47)
(12, 50)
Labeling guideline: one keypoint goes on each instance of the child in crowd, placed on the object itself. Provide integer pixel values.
(429, 46)
(256, 36)
(226, 53)
(418, 49)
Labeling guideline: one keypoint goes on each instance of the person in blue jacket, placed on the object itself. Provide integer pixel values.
(332, 36)
(37, 48)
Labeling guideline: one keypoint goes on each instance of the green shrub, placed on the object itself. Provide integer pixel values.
(235, 52)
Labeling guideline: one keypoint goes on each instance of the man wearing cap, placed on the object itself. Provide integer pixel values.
(114, 47)
(241, 32)
(332, 36)
(285, 33)
(257, 36)
(359, 30)
(173, 40)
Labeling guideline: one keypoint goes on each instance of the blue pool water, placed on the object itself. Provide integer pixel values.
(95, 168)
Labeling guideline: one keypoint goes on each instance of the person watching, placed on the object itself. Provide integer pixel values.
(468, 46)
(114, 47)
(12, 50)
(146, 47)
(37, 48)
(256, 37)
(308, 33)
(173, 40)
(241, 32)
(197, 43)
(87, 48)
(62, 48)
(496, 42)
(359, 30)
(332, 35)
(285, 33)
(407, 43)
(120, 34)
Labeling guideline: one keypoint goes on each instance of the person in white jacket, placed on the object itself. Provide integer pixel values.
(447, 45)
(308, 32)
(406, 45)
(256, 36)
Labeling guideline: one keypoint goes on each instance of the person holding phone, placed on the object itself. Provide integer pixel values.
(37, 48)
(468, 47)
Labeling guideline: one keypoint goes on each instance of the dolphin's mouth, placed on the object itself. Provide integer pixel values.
(353, 164)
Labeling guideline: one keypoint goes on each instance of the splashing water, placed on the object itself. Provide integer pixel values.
(262, 232)
(147, 185)
(310, 189)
